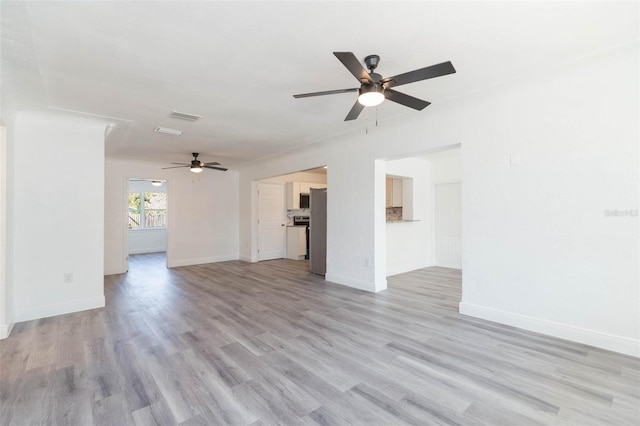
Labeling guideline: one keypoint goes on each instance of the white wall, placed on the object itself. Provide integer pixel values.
(446, 166)
(203, 213)
(409, 244)
(6, 298)
(58, 215)
(538, 251)
(151, 240)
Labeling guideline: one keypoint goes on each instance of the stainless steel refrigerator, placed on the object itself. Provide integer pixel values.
(318, 231)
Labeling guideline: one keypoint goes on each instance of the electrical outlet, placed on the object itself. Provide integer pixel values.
(68, 277)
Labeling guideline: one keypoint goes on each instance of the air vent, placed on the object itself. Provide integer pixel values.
(168, 131)
(185, 116)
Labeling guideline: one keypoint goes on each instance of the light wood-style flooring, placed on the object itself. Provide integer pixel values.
(270, 343)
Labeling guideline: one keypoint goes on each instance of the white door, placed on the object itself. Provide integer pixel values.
(271, 222)
(448, 225)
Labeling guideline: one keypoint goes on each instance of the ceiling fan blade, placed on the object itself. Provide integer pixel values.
(354, 66)
(215, 163)
(406, 100)
(355, 111)
(176, 167)
(421, 74)
(206, 166)
(182, 164)
(328, 92)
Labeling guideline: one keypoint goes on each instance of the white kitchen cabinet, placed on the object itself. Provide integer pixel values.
(394, 192)
(296, 242)
(293, 195)
(397, 193)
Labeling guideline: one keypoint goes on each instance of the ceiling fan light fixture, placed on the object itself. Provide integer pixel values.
(371, 95)
(197, 166)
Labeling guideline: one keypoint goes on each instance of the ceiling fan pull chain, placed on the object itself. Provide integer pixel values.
(376, 116)
(366, 119)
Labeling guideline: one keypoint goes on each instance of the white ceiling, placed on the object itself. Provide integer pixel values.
(238, 63)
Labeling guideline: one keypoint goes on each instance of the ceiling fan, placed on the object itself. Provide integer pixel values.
(374, 89)
(197, 166)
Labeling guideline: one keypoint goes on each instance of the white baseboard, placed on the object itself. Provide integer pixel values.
(114, 271)
(5, 330)
(624, 345)
(350, 282)
(201, 260)
(251, 259)
(59, 309)
(149, 250)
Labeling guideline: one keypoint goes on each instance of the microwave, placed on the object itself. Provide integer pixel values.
(304, 201)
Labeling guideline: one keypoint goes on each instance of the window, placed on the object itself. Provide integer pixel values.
(152, 213)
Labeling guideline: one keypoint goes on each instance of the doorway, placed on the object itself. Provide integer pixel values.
(423, 211)
(146, 218)
(283, 218)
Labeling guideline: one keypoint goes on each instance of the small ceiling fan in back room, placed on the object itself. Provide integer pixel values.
(196, 166)
(374, 89)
